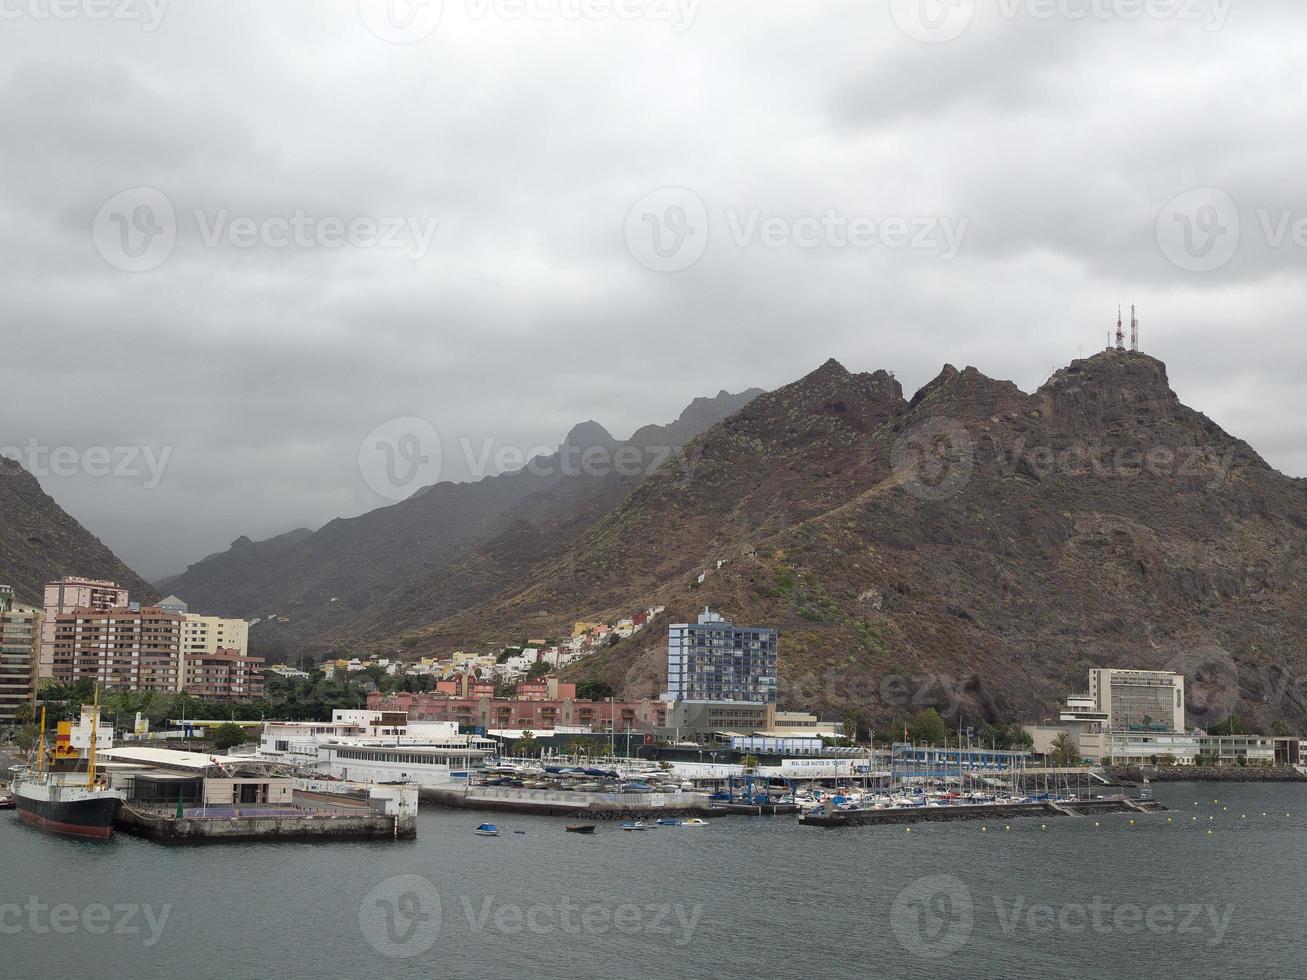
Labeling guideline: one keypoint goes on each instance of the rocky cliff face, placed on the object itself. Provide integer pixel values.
(39, 542)
(974, 548)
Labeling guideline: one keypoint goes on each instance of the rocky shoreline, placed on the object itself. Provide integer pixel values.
(1214, 774)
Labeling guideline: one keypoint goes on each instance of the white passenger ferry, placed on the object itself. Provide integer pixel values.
(377, 747)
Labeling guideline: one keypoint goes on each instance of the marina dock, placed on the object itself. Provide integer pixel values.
(568, 803)
(992, 811)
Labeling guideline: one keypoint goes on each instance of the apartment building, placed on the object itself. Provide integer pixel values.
(63, 597)
(121, 649)
(715, 660)
(20, 643)
(206, 635)
(223, 674)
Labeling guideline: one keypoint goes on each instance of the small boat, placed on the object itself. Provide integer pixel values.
(637, 825)
(7, 803)
(587, 787)
(669, 822)
(580, 828)
(487, 830)
(694, 822)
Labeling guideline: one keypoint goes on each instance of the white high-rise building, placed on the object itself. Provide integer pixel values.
(1139, 700)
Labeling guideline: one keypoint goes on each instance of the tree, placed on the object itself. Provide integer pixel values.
(227, 736)
(1231, 726)
(1064, 752)
(928, 728)
(594, 691)
(749, 762)
(525, 745)
(852, 723)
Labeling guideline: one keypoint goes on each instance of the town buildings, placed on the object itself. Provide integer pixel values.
(1136, 717)
(94, 632)
(715, 660)
(120, 649)
(20, 642)
(222, 674)
(535, 714)
(64, 596)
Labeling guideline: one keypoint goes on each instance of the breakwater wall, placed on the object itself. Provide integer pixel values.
(1004, 811)
(1213, 774)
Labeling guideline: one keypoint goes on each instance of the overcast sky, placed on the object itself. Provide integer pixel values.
(601, 209)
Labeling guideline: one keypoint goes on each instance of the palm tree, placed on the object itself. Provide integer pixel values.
(1064, 751)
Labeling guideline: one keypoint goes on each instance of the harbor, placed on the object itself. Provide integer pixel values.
(729, 868)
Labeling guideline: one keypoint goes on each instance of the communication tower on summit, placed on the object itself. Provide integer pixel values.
(1120, 331)
(1134, 329)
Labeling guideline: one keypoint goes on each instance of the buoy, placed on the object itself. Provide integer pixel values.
(1132, 823)
(1168, 819)
(1209, 831)
(1009, 827)
(1193, 818)
(984, 830)
(1095, 823)
(909, 829)
(1243, 816)
(1043, 826)
(1225, 808)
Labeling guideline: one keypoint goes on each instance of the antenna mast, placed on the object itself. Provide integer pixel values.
(1120, 331)
(1134, 330)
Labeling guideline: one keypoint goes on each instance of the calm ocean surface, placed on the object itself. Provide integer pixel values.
(742, 897)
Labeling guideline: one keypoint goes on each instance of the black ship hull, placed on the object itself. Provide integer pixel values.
(93, 818)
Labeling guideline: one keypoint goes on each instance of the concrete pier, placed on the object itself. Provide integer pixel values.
(385, 813)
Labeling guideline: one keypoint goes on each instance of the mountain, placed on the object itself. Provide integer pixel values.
(326, 582)
(974, 548)
(39, 542)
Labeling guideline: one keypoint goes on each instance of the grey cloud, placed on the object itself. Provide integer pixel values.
(263, 368)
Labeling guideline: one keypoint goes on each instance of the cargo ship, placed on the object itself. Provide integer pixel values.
(67, 796)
